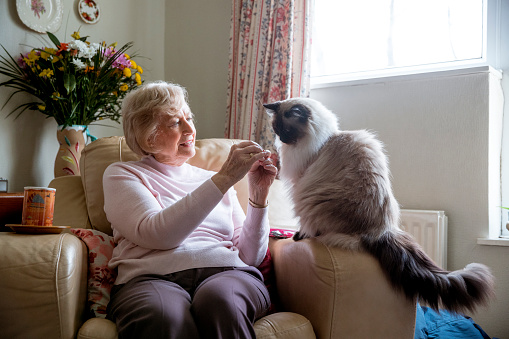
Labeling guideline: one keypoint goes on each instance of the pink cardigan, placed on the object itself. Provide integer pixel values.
(167, 219)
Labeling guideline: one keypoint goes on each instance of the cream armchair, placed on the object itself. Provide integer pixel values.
(324, 292)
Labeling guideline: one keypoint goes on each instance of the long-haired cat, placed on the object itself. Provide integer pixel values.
(341, 189)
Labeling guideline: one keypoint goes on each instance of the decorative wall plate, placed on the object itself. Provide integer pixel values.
(41, 15)
(89, 11)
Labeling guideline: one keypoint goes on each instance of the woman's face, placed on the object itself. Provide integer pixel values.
(175, 137)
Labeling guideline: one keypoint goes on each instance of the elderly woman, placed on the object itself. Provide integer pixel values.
(186, 253)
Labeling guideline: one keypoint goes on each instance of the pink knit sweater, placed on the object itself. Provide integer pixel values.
(167, 219)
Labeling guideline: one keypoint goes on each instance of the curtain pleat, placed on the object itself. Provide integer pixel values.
(269, 61)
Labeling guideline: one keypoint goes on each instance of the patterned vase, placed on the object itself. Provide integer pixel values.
(72, 139)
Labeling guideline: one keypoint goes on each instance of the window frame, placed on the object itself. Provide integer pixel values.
(490, 56)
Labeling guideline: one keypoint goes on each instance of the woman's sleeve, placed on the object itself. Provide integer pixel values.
(251, 234)
(133, 210)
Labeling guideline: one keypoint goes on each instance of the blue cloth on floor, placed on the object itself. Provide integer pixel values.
(445, 325)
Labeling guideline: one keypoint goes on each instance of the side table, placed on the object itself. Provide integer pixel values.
(11, 208)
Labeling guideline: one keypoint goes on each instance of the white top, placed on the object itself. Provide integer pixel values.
(167, 219)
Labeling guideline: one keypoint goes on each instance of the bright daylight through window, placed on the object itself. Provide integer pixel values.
(351, 38)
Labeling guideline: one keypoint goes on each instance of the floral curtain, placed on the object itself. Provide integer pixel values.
(269, 61)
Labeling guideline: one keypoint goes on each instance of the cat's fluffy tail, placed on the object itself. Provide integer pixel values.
(412, 271)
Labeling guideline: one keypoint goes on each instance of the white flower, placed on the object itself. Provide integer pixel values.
(84, 50)
(95, 46)
(87, 53)
(78, 44)
(78, 63)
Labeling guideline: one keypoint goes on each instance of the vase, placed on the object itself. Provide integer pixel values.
(72, 139)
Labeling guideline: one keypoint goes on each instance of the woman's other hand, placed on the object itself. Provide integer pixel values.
(261, 176)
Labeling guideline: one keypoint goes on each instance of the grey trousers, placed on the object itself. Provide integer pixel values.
(195, 303)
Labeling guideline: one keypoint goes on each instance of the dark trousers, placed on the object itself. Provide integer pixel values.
(195, 303)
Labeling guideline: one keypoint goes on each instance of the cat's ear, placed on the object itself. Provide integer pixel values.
(271, 109)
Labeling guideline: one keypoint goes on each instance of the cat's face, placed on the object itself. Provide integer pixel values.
(290, 119)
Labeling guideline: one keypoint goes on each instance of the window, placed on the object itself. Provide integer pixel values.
(354, 39)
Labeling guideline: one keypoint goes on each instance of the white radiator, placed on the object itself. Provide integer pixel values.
(429, 228)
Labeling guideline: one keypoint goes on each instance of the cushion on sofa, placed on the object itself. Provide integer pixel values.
(100, 278)
(70, 204)
(95, 158)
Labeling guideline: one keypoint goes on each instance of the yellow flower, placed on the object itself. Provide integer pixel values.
(76, 35)
(55, 95)
(61, 69)
(127, 56)
(137, 77)
(139, 69)
(46, 73)
(31, 58)
(127, 72)
(133, 64)
(47, 53)
(41, 107)
(124, 87)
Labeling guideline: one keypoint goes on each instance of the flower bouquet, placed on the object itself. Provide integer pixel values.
(76, 83)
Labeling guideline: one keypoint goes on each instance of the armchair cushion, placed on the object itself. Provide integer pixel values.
(70, 206)
(101, 278)
(93, 162)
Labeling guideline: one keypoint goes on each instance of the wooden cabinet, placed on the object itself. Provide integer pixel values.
(11, 208)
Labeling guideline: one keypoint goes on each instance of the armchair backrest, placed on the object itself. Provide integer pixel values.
(98, 155)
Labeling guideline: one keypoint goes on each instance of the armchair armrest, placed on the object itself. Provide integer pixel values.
(344, 294)
(42, 285)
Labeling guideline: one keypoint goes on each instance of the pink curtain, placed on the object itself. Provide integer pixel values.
(269, 61)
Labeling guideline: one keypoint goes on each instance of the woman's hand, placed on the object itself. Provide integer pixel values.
(244, 157)
(261, 176)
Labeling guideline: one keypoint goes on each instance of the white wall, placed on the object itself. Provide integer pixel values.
(436, 131)
(28, 145)
(197, 45)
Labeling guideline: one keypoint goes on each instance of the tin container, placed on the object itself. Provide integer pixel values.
(38, 206)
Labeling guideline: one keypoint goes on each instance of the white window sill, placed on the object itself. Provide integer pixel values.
(493, 241)
(392, 75)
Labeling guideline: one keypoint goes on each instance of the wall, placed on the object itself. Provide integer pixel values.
(197, 45)
(436, 130)
(28, 145)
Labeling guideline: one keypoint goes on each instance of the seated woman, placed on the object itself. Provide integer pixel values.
(186, 252)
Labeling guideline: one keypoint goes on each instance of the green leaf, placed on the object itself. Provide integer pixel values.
(69, 82)
(54, 39)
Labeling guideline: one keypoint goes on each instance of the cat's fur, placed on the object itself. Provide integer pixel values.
(340, 185)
